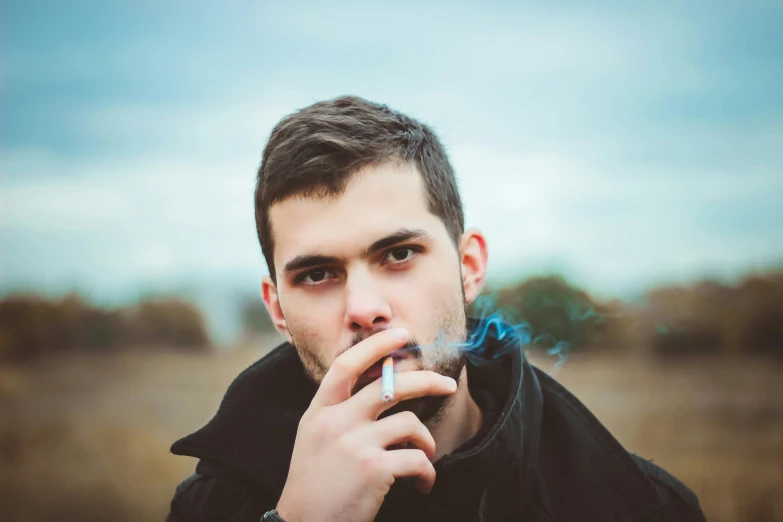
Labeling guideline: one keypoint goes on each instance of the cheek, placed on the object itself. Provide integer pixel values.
(430, 301)
(314, 324)
(310, 311)
(436, 273)
(437, 285)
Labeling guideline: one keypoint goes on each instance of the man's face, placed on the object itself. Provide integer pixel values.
(373, 258)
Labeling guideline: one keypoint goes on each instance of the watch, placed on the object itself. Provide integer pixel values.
(272, 516)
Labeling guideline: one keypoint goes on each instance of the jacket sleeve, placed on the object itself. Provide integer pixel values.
(212, 494)
(682, 505)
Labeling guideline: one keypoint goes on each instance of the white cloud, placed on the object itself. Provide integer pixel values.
(611, 229)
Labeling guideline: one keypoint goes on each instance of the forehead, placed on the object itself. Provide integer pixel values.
(378, 200)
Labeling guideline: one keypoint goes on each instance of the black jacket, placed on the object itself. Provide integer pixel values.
(541, 456)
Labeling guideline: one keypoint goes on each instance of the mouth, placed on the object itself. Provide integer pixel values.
(374, 372)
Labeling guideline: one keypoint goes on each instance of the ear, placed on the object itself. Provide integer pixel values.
(473, 260)
(272, 302)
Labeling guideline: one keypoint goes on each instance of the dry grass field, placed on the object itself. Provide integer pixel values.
(85, 438)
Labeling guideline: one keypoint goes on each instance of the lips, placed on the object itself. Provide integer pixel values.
(374, 372)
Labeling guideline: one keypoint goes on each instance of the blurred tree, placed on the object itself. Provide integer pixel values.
(23, 326)
(709, 318)
(760, 307)
(31, 326)
(688, 340)
(76, 325)
(168, 322)
(558, 315)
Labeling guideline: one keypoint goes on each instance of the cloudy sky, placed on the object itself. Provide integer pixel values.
(620, 144)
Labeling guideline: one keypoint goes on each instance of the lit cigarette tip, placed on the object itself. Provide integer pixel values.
(387, 380)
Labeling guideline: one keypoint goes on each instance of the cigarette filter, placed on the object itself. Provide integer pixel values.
(387, 380)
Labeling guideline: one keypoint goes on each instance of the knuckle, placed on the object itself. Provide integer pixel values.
(370, 463)
(409, 420)
(309, 416)
(422, 463)
(339, 366)
(435, 380)
(302, 427)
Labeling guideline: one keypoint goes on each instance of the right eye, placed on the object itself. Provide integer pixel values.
(314, 277)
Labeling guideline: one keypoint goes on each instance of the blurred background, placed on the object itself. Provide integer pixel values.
(623, 160)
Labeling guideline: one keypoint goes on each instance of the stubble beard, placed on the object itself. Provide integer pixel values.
(439, 356)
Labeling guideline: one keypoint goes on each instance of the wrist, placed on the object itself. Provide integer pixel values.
(286, 508)
(273, 516)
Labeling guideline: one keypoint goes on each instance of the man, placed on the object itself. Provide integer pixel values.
(361, 225)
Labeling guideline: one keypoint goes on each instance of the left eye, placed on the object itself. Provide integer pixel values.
(399, 255)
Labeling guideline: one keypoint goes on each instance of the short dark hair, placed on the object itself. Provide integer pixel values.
(314, 151)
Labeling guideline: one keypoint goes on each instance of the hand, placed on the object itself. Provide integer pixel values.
(341, 468)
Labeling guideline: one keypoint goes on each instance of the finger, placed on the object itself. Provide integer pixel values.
(402, 427)
(407, 385)
(345, 370)
(412, 463)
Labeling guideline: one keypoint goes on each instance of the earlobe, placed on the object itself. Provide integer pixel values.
(473, 259)
(272, 302)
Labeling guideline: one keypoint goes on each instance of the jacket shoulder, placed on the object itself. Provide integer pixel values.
(683, 503)
(576, 444)
(211, 493)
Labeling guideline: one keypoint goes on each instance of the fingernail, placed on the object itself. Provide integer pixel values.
(402, 333)
(451, 383)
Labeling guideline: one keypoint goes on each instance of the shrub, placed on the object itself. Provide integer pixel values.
(167, 322)
(25, 326)
(556, 312)
(31, 326)
(688, 341)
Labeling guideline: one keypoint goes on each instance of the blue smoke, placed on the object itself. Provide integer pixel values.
(497, 331)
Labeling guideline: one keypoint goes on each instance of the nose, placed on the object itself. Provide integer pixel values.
(365, 308)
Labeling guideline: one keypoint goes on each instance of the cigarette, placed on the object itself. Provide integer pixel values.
(387, 380)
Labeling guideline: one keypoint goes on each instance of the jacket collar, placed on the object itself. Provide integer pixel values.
(515, 438)
(254, 430)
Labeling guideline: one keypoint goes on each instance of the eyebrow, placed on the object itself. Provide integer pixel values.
(314, 260)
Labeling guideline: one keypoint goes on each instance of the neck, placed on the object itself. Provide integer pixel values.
(460, 421)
